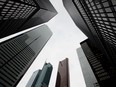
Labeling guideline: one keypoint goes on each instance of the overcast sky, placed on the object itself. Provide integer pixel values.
(63, 44)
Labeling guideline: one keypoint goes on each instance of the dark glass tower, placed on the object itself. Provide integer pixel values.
(18, 53)
(97, 19)
(41, 78)
(63, 74)
(18, 15)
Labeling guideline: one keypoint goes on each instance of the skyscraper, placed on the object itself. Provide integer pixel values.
(97, 19)
(101, 67)
(18, 53)
(41, 78)
(63, 79)
(18, 15)
(90, 79)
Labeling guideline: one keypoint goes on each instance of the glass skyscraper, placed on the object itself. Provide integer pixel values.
(41, 78)
(18, 53)
(97, 20)
(18, 15)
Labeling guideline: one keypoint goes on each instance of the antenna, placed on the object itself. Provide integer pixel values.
(45, 61)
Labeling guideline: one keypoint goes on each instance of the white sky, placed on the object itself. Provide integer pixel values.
(63, 44)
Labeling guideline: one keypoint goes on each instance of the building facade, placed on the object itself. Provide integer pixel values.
(63, 79)
(89, 77)
(19, 15)
(41, 78)
(101, 67)
(18, 53)
(97, 19)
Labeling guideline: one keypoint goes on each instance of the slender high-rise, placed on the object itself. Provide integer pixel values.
(63, 79)
(100, 66)
(19, 15)
(89, 77)
(41, 78)
(18, 53)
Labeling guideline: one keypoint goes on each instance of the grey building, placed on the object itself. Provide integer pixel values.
(100, 66)
(19, 15)
(41, 78)
(89, 77)
(18, 53)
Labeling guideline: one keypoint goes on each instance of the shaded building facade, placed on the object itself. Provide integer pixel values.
(19, 15)
(89, 77)
(101, 67)
(97, 19)
(41, 78)
(18, 53)
(63, 79)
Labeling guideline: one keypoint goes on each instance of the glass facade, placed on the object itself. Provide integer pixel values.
(19, 15)
(13, 14)
(100, 66)
(17, 54)
(100, 16)
(41, 78)
(97, 20)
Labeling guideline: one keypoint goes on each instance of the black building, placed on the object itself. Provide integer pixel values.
(97, 19)
(18, 53)
(41, 78)
(18, 15)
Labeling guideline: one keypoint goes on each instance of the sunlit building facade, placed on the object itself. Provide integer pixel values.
(18, 53)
